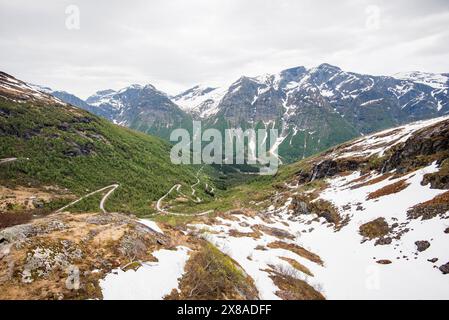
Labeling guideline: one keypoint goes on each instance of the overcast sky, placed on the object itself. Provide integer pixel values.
(175, 44)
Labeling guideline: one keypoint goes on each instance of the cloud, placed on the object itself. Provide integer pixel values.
(177, 44)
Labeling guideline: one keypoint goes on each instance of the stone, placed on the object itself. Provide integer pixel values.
(422, 245)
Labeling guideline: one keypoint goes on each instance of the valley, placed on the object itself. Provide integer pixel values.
(90, 209)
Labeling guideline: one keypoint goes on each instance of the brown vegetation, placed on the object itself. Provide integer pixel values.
(374, 229)
(389, 189)
(275, 232)
(298, 266)
(212, 275)
(296, 249)
(372, 181)
(291, 287)
(438, 206)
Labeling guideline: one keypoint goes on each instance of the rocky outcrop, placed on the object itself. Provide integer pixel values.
(329, 168)
(425, 146)
(63, 256)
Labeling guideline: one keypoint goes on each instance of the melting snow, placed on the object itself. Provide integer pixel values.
(152, 281)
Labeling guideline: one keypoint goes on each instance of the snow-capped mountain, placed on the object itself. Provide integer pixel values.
(199, 101)
(17, 90)
(313, 108)
(140, 107)
(321, 106)
(434, 80)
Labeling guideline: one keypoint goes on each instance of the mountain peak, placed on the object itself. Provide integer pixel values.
(327, 66)
(434, 80)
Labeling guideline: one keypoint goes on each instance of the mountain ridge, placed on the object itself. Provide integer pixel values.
(313, 108)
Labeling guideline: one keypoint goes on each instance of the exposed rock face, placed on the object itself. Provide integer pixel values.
(422, 245)
(433, 140)
(329, 168)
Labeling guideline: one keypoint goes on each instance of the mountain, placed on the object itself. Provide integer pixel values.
(65, 149)
(367, 219)
(313, 108)
(142, 108)
(319, 107)
(199, 101)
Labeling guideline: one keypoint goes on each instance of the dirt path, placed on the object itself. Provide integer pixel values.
(113, 187)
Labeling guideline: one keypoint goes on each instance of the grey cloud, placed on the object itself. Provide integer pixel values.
(176, 44)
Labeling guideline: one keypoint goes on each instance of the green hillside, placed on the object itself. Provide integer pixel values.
(70, 148)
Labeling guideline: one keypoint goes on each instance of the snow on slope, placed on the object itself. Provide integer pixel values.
(434, 80)
(378, 143)
(354, 267)
(152, 281)
(200, 100)
(20, 91)
(351, 270)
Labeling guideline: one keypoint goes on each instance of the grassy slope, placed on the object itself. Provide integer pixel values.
(74, 149)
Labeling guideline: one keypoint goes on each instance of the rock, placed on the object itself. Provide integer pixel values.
(447, 230)
(329, 168)
(38, 203)
(383, 241)
(444, 268)
(422, 245)
(329, 217)
(433, 260)
(384, 261)
(300, 207)
(17, 233)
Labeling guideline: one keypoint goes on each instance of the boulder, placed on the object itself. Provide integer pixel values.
(422, 245)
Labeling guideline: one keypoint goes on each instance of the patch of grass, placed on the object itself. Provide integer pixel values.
(212, 275)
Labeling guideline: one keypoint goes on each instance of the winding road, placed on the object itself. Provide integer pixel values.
(113, 187)
(177, 187)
